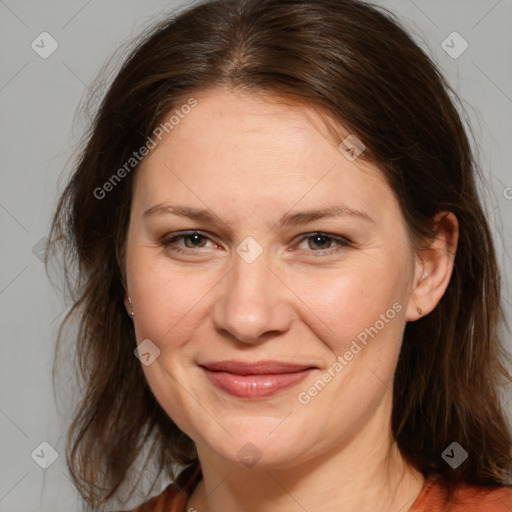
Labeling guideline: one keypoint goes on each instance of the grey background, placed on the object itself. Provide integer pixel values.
(38, 100)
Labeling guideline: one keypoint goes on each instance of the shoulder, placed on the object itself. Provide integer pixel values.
(174, 497)
(479, 498)
(466, 498)
(168, 500)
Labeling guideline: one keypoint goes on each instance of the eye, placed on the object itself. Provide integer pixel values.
(321, 243)
(193, 240)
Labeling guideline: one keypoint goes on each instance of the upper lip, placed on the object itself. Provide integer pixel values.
(255, 368)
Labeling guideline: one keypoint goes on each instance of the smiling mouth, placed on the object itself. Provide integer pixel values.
(255, 380)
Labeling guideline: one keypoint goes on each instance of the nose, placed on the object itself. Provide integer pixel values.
(253, 304)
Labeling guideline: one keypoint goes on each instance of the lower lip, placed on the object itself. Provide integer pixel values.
(255, 386)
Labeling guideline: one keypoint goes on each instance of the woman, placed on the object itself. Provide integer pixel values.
(286, 282)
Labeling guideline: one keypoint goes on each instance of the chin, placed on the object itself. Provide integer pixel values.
(259, 442)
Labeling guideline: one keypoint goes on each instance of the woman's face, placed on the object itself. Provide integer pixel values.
(303, 331)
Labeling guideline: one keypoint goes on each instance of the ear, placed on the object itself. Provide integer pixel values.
(124, 282)
(127, 304)
(436, 261)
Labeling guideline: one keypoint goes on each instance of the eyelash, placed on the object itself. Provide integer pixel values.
(343, 242)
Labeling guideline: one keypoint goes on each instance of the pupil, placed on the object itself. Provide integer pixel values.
(195, 238)
(319, 240)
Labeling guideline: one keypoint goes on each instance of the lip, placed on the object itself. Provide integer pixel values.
(255, 380)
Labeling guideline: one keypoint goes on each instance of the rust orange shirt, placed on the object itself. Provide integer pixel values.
(467, 498)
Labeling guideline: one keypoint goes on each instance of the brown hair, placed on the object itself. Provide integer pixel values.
(356, 64)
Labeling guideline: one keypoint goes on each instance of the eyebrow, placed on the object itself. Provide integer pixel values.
(288, 219)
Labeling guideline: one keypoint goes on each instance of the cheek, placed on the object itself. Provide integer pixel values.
(339, 305)
(358, 302)
(167, 300)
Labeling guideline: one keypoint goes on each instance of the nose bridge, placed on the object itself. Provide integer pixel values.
(249, 281)
(250, 303)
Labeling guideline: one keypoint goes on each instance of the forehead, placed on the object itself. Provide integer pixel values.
(250, 117)
(251, 147)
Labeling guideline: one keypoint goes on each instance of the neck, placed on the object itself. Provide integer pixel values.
(364, 474)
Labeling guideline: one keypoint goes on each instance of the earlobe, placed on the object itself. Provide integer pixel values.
(127, 298)
(434, 267)
(128, 305)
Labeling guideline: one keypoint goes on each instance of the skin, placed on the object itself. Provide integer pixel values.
(250, 160)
